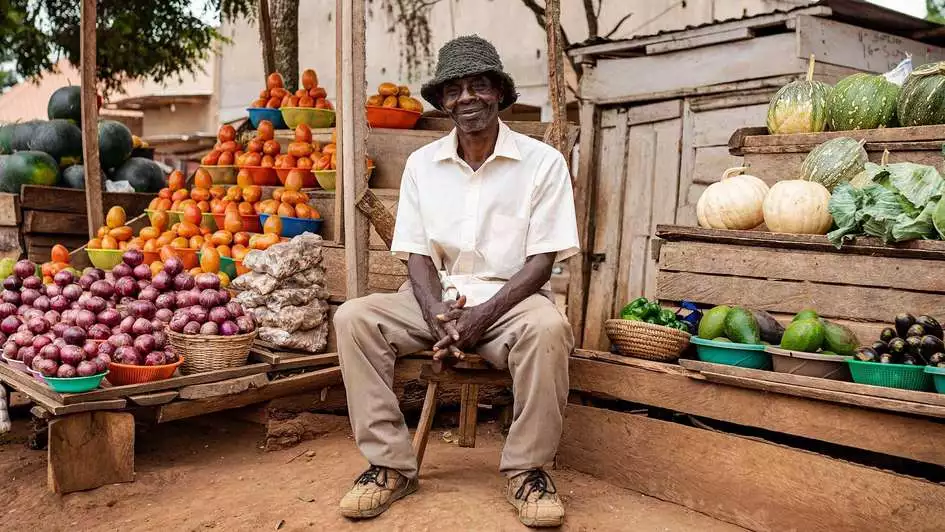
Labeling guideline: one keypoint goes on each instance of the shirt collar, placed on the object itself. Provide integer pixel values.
(505, 146)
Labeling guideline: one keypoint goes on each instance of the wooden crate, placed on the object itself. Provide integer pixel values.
(863, 285)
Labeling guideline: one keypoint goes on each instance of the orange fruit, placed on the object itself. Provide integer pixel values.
(176, 180)
(273, 81)
(164, 204)
(224, 251)
(209, 259)
(204, 206)
(165, 193)
(286, 210)
(226, 133)
(179, 242)
(309, 79)
(59, 253)
(240, 238)
(202, 179)
(289, 161)
(211, 158)
(239, 251)
(267, 161)
(246, 209)
(167, 252)
(165, 238)
(269, 207)
(109, 242)
(232, 222)
(180, 195)
(271, 147)
(149, 233)
(195, 242)
(95, 243)
(200, 194)
(150, 245)
(218, 191)
(291, 197)
(191, 214)
(253, 159)
(218, 208)
(273, 225)
(188, 229)
(252, 193)
(265, 131)
(300, 149)
(116, 217)
(152, 206)
(255, 145)
(304, 163)
(102, 231)
(221, 238)
(122, 233)
(159, 220)
(303, 211)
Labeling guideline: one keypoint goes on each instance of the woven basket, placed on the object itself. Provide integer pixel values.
(207, 353)
(646, 340)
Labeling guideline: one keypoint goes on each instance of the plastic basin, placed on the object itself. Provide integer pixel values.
(308, 178)
(76, 384)
(902, 376)
(206, 219)
(172, 216)
(392, 117)
(188, 256)
(732, 354)
(105, 259)
(314, 118)
(938, 377)
(832, 367)
(250, 222)
(263, 176)
(327, 179)
(227, 265)
(258, 114)
(16, 364)
(296, 226)
(222, 175)
(121, 374)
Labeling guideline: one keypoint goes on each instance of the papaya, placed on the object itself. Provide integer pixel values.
(273, 225)
(209, 259)
(741, 327)
(59, 253)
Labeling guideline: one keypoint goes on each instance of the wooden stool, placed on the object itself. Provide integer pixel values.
(469, 373)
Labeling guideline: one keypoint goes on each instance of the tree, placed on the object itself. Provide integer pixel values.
(935, 10)
(285, 34)
(139, 39)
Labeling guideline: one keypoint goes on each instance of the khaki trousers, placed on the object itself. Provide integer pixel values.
(533, 340)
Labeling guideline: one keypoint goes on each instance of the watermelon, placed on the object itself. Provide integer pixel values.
(800, 106)
(28, 168)
(836, 161)
(74, 176)
(922, 98)
(862, 101)
(59, 138)
(144, 175)
(114, 143)
(6, 138)
(66, 104)
(23, 133)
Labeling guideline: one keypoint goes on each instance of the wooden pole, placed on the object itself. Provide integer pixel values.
(93, 173)
(339, 235)
(353, 135)
(265, 36)
(556, 86)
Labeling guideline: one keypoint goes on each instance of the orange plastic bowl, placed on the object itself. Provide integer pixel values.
(308, 178)
(121, 374)
(250, 222)
(188, 256)
(263, 176)
(392, 117)
(151, 256)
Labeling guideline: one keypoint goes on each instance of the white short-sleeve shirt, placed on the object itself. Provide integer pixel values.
(480, 226)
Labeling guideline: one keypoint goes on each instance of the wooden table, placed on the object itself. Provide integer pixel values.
(91, 434)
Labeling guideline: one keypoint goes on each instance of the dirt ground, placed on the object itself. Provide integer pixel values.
(211, 473)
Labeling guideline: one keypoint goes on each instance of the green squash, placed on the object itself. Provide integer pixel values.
(922, 98)
(800, 106)
(862, 101)
(836, 161)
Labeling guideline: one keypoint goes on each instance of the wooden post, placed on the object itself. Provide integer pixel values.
(556, 86)
(93, 173)
(339, 234)
(353, 135)
(265, 37)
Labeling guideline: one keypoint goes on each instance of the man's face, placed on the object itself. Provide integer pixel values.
(472, 103)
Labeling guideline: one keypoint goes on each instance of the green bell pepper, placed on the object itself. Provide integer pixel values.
(666, 317)
(635, 310)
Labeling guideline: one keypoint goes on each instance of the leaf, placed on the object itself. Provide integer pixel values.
(918, 183)
(938, 218)
(871, 173)
(844, 204)
(914, 228)
(881, 210)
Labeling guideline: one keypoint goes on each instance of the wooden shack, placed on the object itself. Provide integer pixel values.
(658, 111)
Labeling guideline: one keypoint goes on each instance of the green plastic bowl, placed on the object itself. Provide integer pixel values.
(76, 384)
(105, 259)
(732, 354)
(902, 376)
(938, 377)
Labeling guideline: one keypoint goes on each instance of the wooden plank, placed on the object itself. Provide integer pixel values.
(277, 388)
(903, 436)
(584, 194)
(745, 98)
(90, 450)
(714, 127)
(686, 207)
(54, 222)
(710, 162)
(638, 203)
(384, 271)
(73, 201)
(737, 34)
(653, 112)
(221, 388)
(89, 106)
(468, 410)
(605, 242)
(758, 137)
(753, 484)
(774, 167)
(741, 60)
(830, 300)
(860, 48)
(153, 399)
(9, 209)
(309, 361)
(425, 423)
(792, 265)
(919, 146)
(909, 396)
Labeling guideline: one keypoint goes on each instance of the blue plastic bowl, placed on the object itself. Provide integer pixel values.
(258, 114)
(938, 376)
(732, 354)
(295, 226)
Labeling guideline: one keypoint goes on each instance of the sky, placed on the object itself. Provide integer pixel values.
(916, 8)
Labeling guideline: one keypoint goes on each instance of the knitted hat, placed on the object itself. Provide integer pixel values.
(465, 56)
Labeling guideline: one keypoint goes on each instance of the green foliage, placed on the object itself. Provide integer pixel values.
(936, 10)
(156, 39)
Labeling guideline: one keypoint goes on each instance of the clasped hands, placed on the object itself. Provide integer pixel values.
(456, 327)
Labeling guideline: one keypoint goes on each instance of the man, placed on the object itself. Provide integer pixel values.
(484, 214)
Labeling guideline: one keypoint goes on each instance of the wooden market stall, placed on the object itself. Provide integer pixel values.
(658, 111)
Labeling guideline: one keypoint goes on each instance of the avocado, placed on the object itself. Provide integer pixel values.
(804, 335)
(839, 339)
(741, 327)
(806, 314)
(712, 323)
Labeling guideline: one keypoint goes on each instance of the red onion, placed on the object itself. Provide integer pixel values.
(74, 336)
(164, 314)
(160, 339)
(154, 359)
(101, 363)
(224, 296)
(109, 317)
(85, 319)
(28, 296)
(99, 331)
(22, 338)
(127, 355)
(207, 281)
(41, 303)
(122, 270)
(126, 287)
(142, 326)
(178, 322)
(41, 341)
(86, 281)
(58, 328)
(210, 328)
(63, 278)
(229, 328)
(183, 281)
(7, 309)
(192, 327)
(59, 342)
(90, 349)
(218, 315)
(121, 340)
(10, 324)
(28, 356)
(13, 283)
(51, 316)
(53, 290)
(72, 292)
(149, 293)
(86, 369)
(145, 343)
(47, 367)
(69, 315)
(71, 354)
(9, 296)
(51, 351)
(10, 349)
(142, 309)
(234, 308)
(30, 313)
(170, 356)
(33, 282)
(208, 298)
(132, 257)
(161, 281)
(66, 371)
(24, 269)
(106, 348)
(126, 323)
(143, 283)
(103, 289)
(156, 324)
(142, 272)
(173, 266)
(37, 325)
(59, 303)
(197, 313)
(95, 304)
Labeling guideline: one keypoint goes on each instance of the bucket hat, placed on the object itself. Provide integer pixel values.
(465, 56)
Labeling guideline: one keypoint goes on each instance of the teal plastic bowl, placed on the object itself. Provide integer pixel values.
(732, 354)
(938, 377)
(902, 376)
(258, 114)
(295, 226)
(76, 384)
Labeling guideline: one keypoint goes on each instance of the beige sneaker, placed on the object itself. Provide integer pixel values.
(534, 495)
(374, 491)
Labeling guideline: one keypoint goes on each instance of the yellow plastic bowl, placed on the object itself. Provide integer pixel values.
(314, 118)
(105, 259)
(327, 178)
(222, 175)
(172, 216)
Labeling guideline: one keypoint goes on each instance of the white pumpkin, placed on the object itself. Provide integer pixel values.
(798, 207)
(732, 203)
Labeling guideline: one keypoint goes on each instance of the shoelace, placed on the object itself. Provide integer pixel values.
(375, 474)
(538, 481)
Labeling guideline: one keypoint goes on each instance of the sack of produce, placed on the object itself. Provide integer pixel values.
(282, 298)
(259, 283)
(284, 260)
(313, 341)
(291, 318)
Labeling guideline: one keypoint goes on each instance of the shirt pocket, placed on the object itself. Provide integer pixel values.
(504, 244)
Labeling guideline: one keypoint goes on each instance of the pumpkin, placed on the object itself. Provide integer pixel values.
(732, 203)
(862, 101)
(798, 207)
(834, 162)
(922, 98)
(800, 106)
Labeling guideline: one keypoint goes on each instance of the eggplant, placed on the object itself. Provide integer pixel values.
(887, 334)
(917, 329)
(880, 347)
(931, 326)
(886, 358)
(866, 354)
(911, 361)
(897, 347)
(913, 343)
(769, 328)
(903, 322)
(930, 345)
(937, 359)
